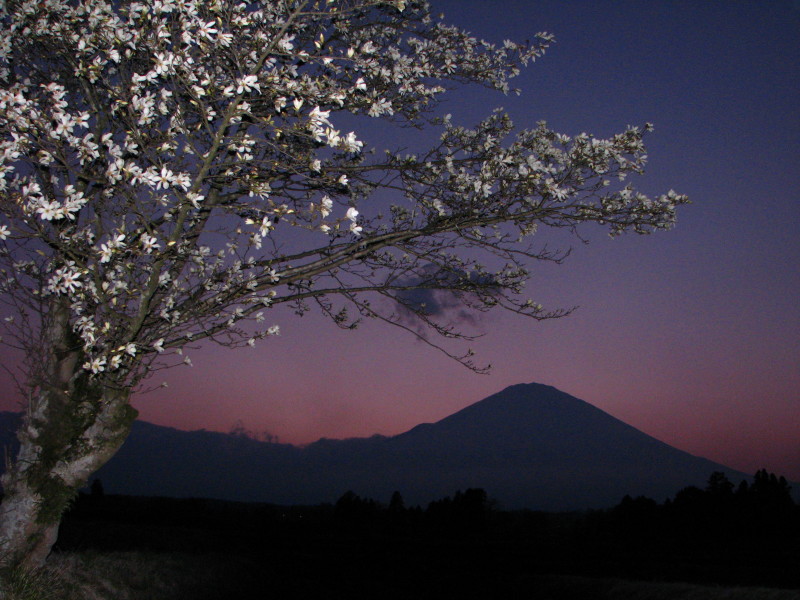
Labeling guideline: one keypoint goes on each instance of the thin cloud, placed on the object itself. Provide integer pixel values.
(429, 298)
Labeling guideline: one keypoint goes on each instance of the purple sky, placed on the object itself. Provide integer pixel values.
(690, 336)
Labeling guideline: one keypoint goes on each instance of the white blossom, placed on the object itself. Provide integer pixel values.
(195, 199)
(286, 43)
(96, 365)
(351, 144)
(49, 211)
(163, 179)
(265, 227)
(150, 243)
(319, 116)
(207, 30)
(326, 205)
(248, 83)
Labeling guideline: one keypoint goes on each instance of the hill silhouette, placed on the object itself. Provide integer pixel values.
(529, 446)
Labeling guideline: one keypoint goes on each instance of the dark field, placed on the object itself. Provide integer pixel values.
(458, 547)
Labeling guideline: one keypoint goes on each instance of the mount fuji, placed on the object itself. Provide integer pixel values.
(529, 446)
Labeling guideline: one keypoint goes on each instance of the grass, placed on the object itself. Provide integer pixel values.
(155, 576)
(48, 583)
(176, 576)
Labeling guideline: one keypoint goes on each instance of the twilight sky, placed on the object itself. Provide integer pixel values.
(691, 336)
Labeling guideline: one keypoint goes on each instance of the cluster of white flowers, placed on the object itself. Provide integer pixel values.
(107, 249)
(156, 180)
(52, 209)
(321, 130)
(65, 280)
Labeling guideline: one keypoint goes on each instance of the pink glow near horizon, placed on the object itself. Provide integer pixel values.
(690, 336)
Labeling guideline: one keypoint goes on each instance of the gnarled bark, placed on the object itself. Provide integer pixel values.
(72, 427)
(46, 476)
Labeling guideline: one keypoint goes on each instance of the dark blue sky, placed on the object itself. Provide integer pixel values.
(691, 335)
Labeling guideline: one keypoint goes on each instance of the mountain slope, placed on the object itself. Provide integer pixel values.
(535, 446)
(529, 446)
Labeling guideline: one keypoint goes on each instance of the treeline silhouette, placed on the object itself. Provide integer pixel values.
(722, 511)
(465, 514)
(723, 534)
(747, 534)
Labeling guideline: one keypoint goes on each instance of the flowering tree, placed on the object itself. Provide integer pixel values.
(171, 169)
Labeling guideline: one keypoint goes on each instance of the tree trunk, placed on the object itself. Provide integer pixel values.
(73, 425)
(55, 460)
(25, 542)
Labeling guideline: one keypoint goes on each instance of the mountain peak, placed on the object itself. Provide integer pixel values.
(524, 405)
(529, 446)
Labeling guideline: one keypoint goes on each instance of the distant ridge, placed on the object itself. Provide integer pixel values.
(529, 446)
